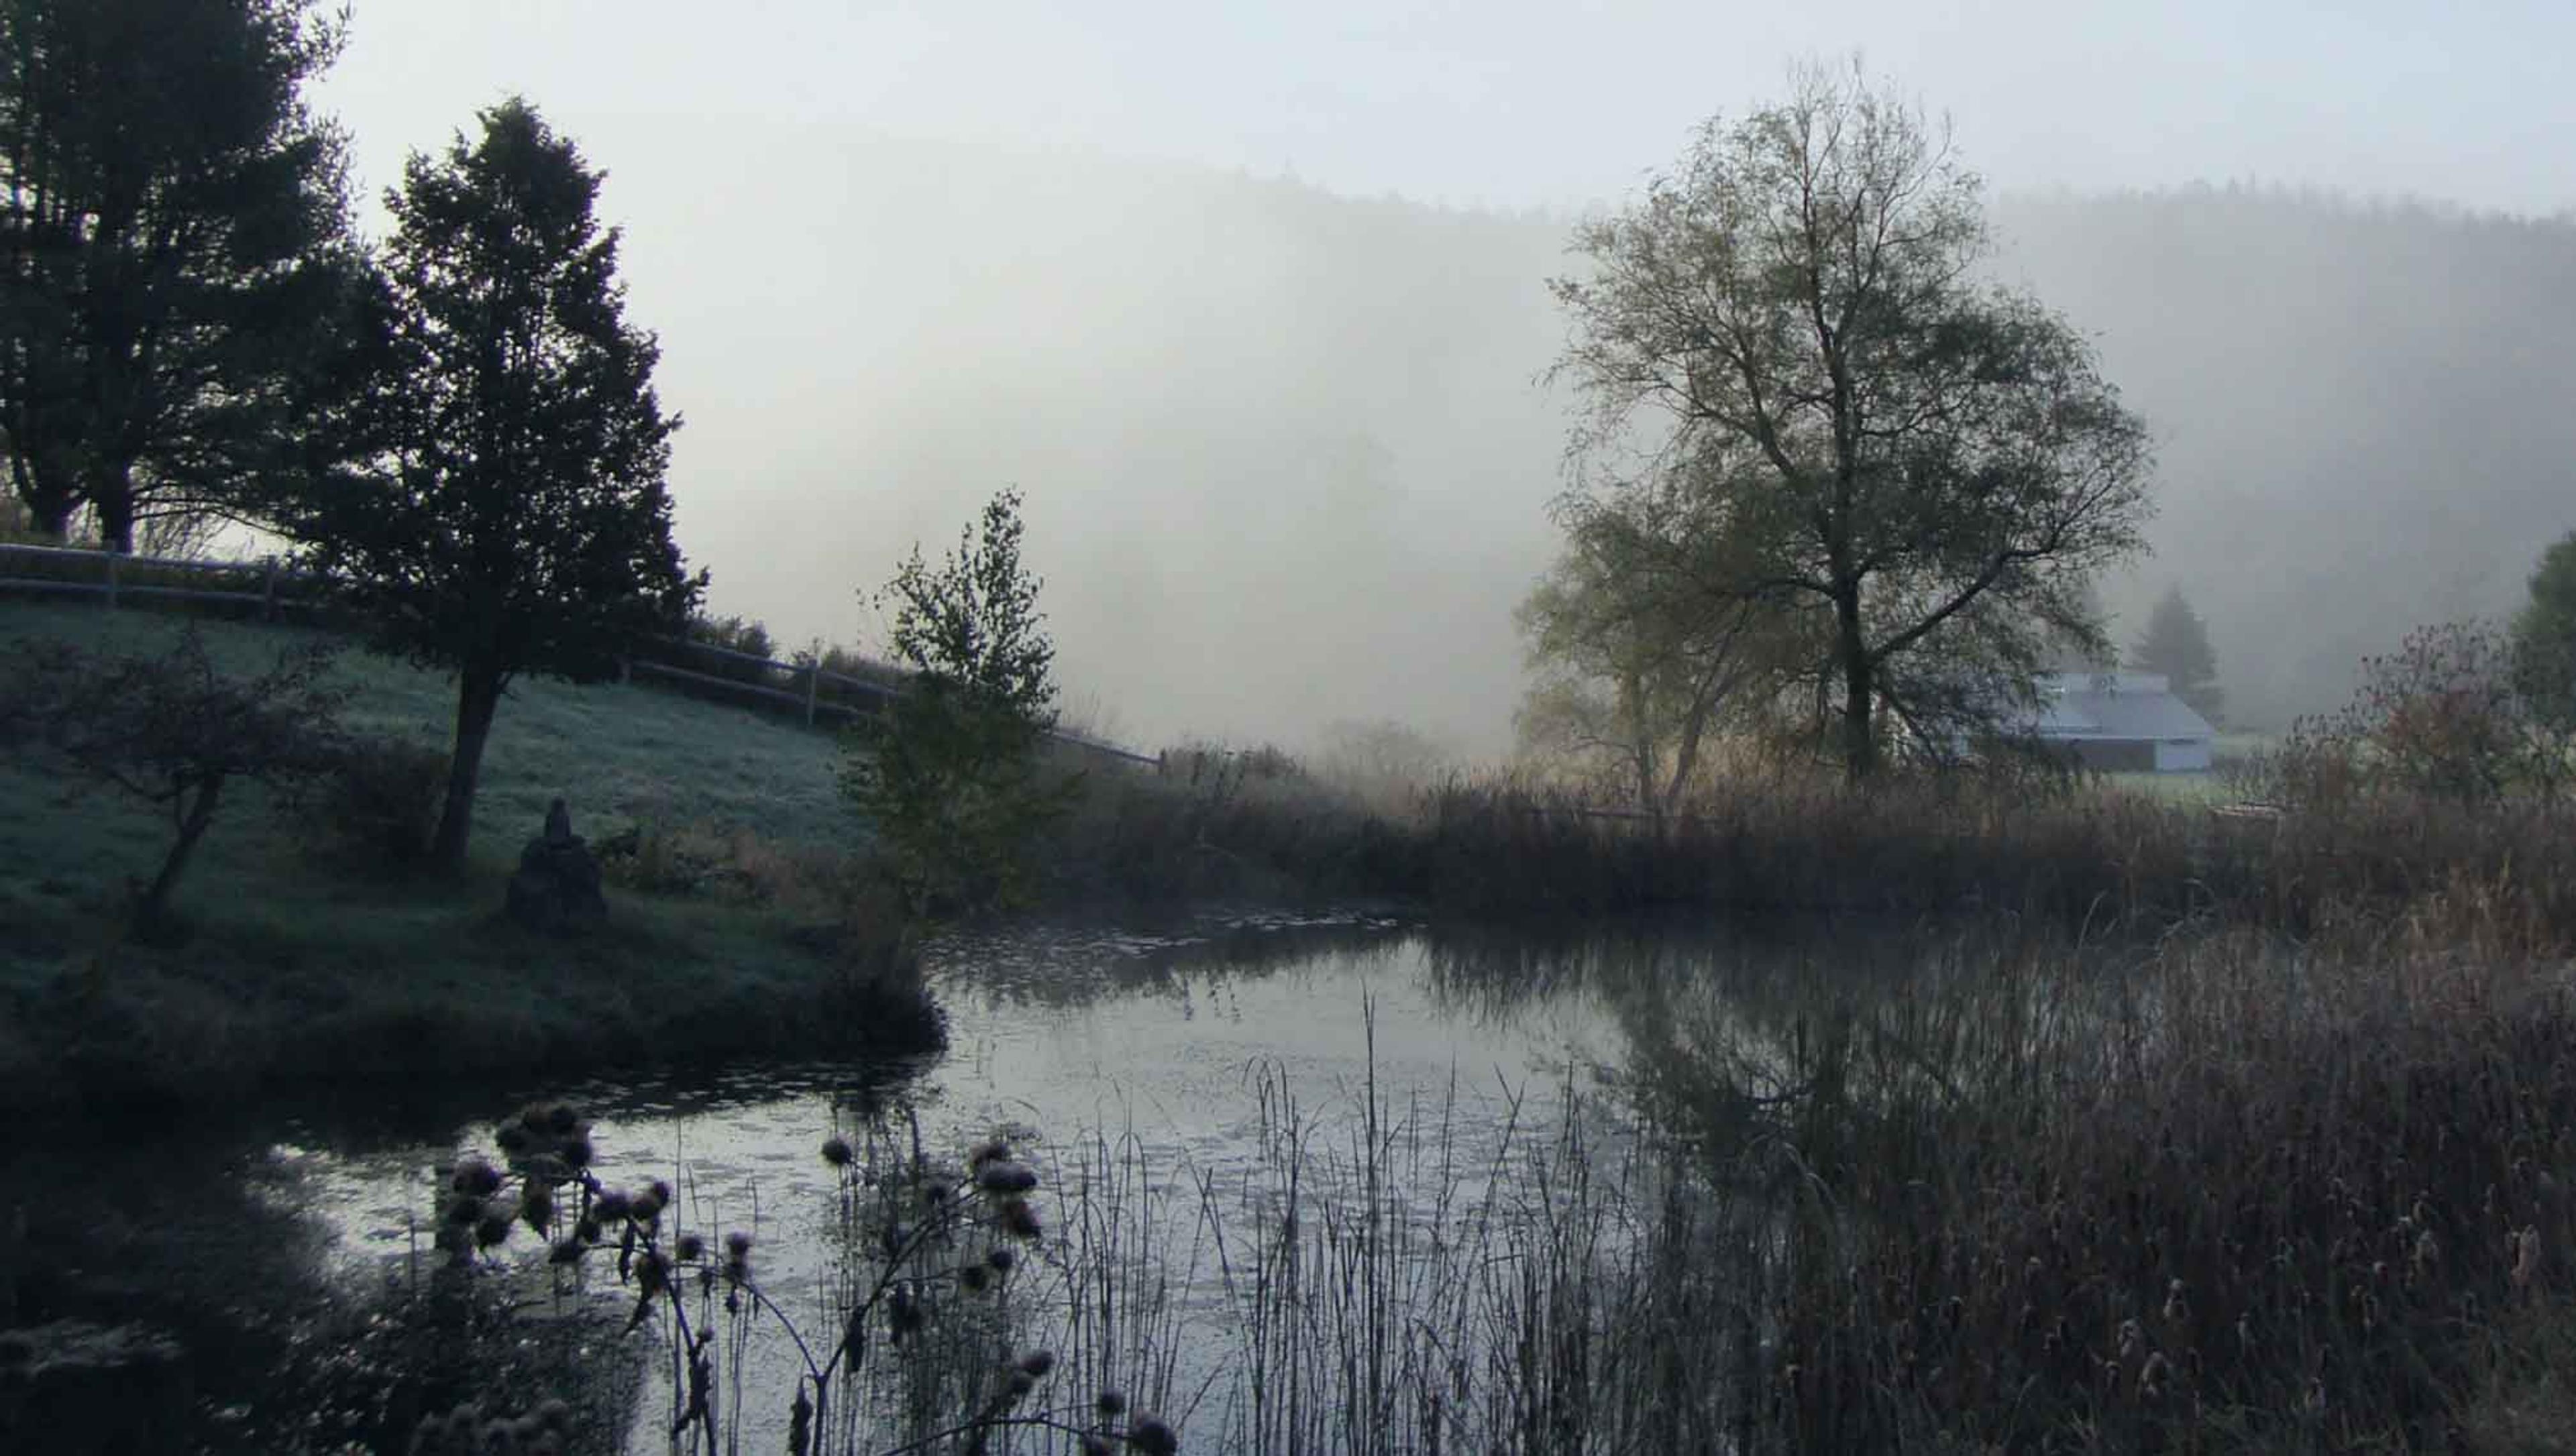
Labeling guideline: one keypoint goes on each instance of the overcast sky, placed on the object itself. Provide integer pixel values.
(1513, 104)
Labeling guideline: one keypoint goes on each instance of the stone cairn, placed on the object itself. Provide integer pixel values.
(557, 885)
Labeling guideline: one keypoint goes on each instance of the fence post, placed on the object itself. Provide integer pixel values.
(268, 591)
(111, 580)
(813, 689)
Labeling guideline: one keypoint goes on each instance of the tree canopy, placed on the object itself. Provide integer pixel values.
(174, 243)
(1927, 465)
(511, 515)
(2176, 644)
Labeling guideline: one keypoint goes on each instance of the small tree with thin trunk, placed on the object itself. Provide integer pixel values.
(949, 773)
(515, 518)
(172, 731)
(1652, 630)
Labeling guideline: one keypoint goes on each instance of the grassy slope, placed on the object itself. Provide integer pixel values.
(299, 969)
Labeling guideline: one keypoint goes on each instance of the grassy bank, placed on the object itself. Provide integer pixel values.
(727, 934)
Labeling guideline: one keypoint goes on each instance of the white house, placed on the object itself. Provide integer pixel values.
(2122, 722)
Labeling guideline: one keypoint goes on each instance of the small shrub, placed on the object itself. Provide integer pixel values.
(378, 807)
(654, 858)
(170, 730)
(2444, 717)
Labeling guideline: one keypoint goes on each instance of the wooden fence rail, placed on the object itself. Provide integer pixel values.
(114, 580)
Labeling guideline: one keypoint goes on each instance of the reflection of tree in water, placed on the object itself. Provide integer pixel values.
(1738, 1034)
(1070, 967)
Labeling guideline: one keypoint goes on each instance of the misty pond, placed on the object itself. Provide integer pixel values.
(1292, 1174)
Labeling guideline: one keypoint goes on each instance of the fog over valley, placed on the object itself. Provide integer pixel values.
(1289, 457)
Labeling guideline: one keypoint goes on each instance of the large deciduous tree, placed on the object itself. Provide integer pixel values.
(2176, 644)
(514, 518)
(1927, 460)
(174, 241)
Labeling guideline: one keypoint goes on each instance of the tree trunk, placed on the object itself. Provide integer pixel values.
(192, 827)
(53, 517)
(1641, 740)
(50, 506)
(478, 696)
(1860, 740)
(112, 497)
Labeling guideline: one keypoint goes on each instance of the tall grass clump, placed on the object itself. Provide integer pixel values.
(1214, 823)
(1781, 840)
(2223, 1193)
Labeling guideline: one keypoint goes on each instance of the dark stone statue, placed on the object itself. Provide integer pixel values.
(557, 886)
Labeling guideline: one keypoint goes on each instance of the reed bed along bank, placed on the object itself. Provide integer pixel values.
(1791, 841)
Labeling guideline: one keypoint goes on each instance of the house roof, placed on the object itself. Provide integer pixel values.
(2132, 706)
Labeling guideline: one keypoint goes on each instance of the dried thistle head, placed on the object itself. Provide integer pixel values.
(536, 1206)
(1018, 1219)
(1003, 1176)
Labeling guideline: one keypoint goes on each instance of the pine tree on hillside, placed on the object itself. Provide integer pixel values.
(515, 519)
(2176, 644)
